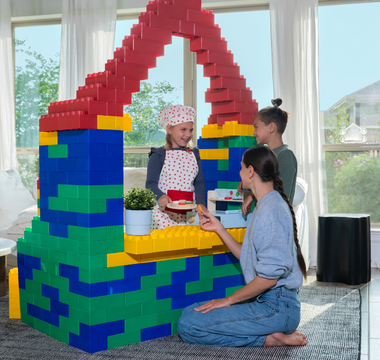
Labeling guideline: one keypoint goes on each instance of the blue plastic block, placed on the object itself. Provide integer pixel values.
(44, 202)
(114, 205)
(214, 294)
(44, 152)
(156, 332)
(44, 177)
(68, 137)
(87, 150)
(101, 330)
(49, 164)
(50, 292)
(223, 259)
(209, 165)
(122, 286)
(192, 263)
(49, 190)
(138, 270)
(207, 143)
(26, 273)
(103, 344)
(50, 317)
(115, 177)
(170, 291)
(59, 308)
(58, 177)
(82, 343)
(228, 281)
(60, 230)
(68, 164)
(21, 281)
(182, 302)
(88, 290)
(50, 216)
(32, 262)
(216, 175)
(100, 136)
(234, 176)
(190, 274)
(211, 185)
(34, 311)
(67, 217)
(115, 150)
(100, 164)
(101, 219)
(69, 271)
(20, 259)
(87, 178)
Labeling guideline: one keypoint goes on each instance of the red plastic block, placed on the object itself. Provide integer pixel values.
(57, 107)
(143, 45)
(115, 109)
(133, 57)
(212, 119)
(150, 33)
(131, 71)
(209, 56)
(170, 11)
(186, 28)
(48, 122)
(203, 43)
(224, 82)
(212, 96)
(132, 85)
(159, 22)
(123, 97)
(205, 17)
(246, 95)
(96, 91)
(88, 105)
(68, 121)
(193, 4)
(221, 70)
(107, 79)
(241, 118)
(207, 30)
(227, 107)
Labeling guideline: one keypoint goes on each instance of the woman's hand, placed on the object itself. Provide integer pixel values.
(247, 202)
(163, 201)
(240, 187)
(208, 222)
(213, 304)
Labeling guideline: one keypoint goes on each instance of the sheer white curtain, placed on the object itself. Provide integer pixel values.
(7, 103)
(87, 41)
(294, 36)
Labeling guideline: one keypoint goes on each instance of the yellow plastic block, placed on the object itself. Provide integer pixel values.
(167, 255)
(48, 138)
(14, 295)
(213, 154)
(106, 122)
(38, 212)
(212, 131)
(138, 245)
(38, 193)
(121, 259)
(127, 126)
(233, 128)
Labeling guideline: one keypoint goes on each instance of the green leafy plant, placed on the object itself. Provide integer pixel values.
(139, 199)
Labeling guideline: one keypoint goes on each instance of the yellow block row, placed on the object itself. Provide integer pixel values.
(115, 122)
(230, 128)
(48, 138)
(14, 295)
(171, 243)
(213, 154)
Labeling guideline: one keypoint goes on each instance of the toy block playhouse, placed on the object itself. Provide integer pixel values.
(81, 279)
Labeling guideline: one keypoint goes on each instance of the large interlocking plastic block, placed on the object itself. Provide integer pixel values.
(239, 117)
(226, 107)
(202, 17)
(194, 5)
(221, 70)
(213, 154)
(132, 71)
(160, 22)
(222, 82)
(210, 56)
(215, 175)
(203, 43)
(207, 143)
(48, 138)
(144, 45)
(107, 79)
(170, 11)
(152, 33)
(210, 31)
(129, 56)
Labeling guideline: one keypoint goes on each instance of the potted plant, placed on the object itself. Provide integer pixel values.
(138, 205)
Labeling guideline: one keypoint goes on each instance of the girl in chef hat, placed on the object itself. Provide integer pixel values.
(174, 170)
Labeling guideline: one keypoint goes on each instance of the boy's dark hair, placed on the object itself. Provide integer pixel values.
(274, 114)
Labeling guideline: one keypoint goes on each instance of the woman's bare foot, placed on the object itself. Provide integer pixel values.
(280, 339)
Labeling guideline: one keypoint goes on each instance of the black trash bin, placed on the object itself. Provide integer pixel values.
(344, 248)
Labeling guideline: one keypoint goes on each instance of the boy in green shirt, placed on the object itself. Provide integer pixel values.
(270, 123)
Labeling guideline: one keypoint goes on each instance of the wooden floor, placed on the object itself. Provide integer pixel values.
(370, 347)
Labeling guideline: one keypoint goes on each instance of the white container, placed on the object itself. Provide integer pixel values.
(137, 222)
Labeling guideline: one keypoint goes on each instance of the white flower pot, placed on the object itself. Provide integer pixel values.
(137, 222)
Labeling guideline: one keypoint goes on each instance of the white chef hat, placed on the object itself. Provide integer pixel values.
(176, 114)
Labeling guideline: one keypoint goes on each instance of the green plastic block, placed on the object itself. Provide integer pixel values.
(88, 262)
(168, 266)
(88, 234)
(79, 315)
(49, 267)
(41, 276)
(42, 301)
(107, 301)
(223, 184)
(32, 238)
(40, 227)
(90, 191)
(33, 286)
(174, 328)
(156, 306)
(169, 316)
(59, 282)
(50, 241)
(241, 141)
(68, 191)
(140, 296)
(118, 340)
(40, 252)
(67, 245)
(206, 261)
(59, 334)
(152, 281)
(26, 296)
(59, 256)
(100, 247)
(21, 239)
(220, 271)
(125, 312)
(141, 322)
(196, 287)
(232, 289)
(87, 206)
(27, 319)
(100, 275)
(68, 324)
(42, 326)
(24, 248)
(69, 298)
(58, 204)
(57, 151)
(223, 165)
(223, 143)
(38, 203)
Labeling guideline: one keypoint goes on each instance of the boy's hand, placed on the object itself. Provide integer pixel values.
(163, 201)
(240, 187)
(247, 202)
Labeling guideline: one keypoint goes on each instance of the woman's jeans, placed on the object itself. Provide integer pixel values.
(243, 324)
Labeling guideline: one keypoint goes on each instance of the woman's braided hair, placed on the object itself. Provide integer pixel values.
(265, 164)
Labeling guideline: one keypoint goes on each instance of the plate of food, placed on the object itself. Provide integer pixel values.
(181, 205)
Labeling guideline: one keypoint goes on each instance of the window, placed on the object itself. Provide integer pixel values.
(163, 87)
(350, 107)
(36, 86)
(253, 57)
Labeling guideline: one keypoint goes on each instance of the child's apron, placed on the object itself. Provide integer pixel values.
(177, 174)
